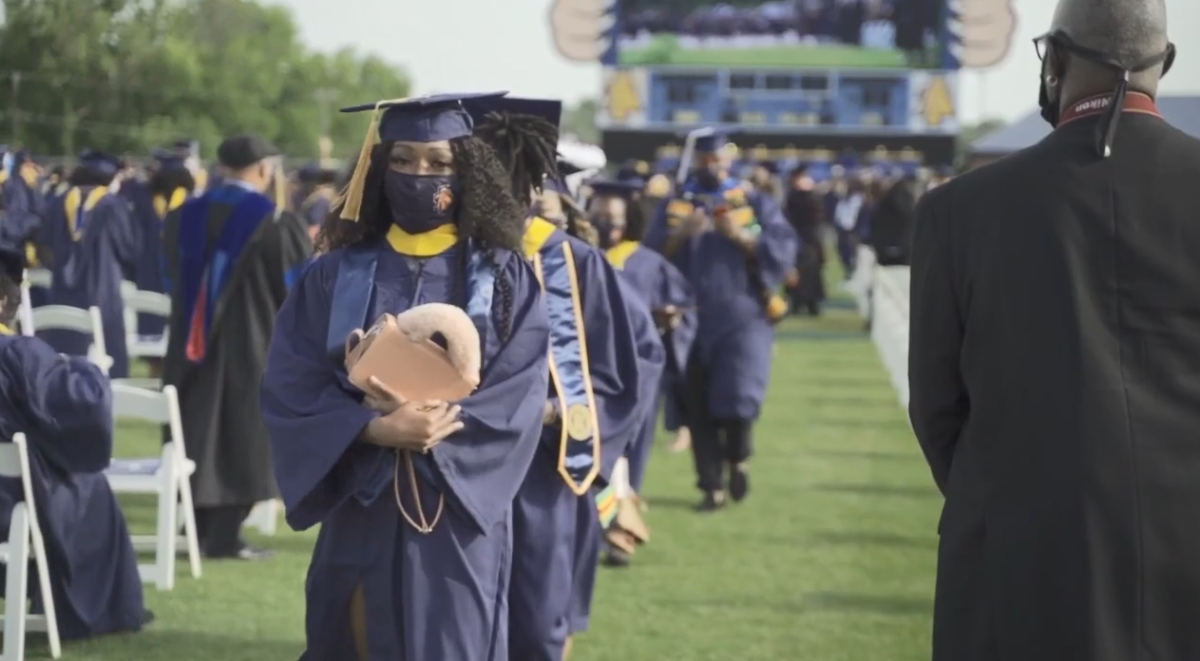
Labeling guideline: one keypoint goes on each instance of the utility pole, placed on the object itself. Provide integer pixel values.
(13, 111)
(325, 96)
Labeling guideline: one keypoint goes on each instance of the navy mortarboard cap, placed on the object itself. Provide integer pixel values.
(769, 166)
(429, 118)
(12, 259)
(548, 109)
(712, 142)
(100, 162)
(242, 151)
(625, 188)
(187, 147)
(168, 159)
(566, 168)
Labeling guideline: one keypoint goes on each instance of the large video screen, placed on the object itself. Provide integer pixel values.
(877, 34)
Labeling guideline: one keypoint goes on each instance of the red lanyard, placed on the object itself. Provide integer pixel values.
(1095, 105)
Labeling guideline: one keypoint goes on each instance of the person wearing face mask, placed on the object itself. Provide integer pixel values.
(92, 243)
(603, 362)
(666, 293)
(231, 255)
(1053, 361)
(429, 216)
(736, 248)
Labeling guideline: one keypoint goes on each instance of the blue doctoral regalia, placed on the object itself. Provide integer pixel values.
(734, 337)
(658, 284)
(441, 595)
(94, 243)
(64, 407)
(555, 537)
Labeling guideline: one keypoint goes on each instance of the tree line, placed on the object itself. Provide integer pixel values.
(129, 75)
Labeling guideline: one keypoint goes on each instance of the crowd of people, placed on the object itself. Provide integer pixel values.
(496, 508)
(910, 25)
(1056, 404)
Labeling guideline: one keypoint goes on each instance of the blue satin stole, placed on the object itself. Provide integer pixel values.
(579, 440)
(354, 296)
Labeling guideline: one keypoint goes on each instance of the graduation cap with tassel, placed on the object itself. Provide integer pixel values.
(430, 118)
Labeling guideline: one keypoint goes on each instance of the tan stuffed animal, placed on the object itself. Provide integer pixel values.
(399, 351)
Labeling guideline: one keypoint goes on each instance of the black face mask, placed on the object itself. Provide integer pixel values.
(707, 179)
(1107, 129)
(420, 203)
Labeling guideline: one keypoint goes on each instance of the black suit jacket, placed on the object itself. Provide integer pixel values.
(1054, 370)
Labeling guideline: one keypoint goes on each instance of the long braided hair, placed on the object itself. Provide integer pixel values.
(489, 215)
(527, 147)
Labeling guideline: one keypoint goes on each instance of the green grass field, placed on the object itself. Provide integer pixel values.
(830, 559)
(666, 51)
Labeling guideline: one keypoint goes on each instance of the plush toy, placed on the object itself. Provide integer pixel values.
(403, 352)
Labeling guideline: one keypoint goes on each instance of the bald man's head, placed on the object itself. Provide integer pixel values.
(1127, 31)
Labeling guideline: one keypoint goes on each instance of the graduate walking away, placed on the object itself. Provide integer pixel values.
(93, 243)
(412, 562)
(591, 402)
(1054, 364)
(736, 249)
(231, 256)
(64, 407)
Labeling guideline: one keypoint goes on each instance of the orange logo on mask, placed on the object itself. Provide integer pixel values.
(442, 199)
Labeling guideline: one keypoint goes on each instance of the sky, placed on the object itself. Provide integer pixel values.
(465, 45)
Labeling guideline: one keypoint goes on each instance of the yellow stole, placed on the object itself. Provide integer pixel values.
(162, 206)
(5, 330)
(537, 232)
(620, 253)
(426, 244)
(74, 201)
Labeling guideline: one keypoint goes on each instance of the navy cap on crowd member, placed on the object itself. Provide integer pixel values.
(96, 168)
(524, 133)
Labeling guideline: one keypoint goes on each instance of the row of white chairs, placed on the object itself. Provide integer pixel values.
(882, 294)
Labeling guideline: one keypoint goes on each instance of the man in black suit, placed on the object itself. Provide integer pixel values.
(1054, 366)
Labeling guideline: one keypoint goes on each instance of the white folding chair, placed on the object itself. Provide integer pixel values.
(65, 317)
(25, 313)
(42, 278)
(137, 302)
(167, 476)
(24, 532)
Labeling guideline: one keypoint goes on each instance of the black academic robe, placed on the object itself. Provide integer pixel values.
(892, 224)
(1054, 371)
(230, 261)
(64, 407)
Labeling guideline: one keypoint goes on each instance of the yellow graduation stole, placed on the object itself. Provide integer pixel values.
(200, 176)
(5, 330)
(620, 253)
(579, 441)
(426, 244)
(76, 206)
(162, 206)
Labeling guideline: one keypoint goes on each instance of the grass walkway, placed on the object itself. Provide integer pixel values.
(830, 559)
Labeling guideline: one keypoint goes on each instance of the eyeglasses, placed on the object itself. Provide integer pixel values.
(1039, 46)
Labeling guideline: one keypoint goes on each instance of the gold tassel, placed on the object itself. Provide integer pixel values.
(351, 198)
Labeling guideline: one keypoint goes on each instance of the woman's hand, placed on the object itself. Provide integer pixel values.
(409, 425)
(549, 414)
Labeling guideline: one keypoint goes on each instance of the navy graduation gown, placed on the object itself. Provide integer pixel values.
(735, 337)
(149, 213)
(551, 523)
(437, 596)
(24, 208)
(658, 284)
(64, 407)
(94, 243)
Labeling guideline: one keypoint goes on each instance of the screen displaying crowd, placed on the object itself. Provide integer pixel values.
(818, 33)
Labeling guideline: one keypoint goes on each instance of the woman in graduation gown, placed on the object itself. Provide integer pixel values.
(93, 243)
(428, 217)
(617, 210)
(64, 407)
(593, 397)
